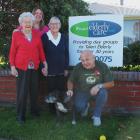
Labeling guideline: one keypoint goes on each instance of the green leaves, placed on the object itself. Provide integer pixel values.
(126, 68)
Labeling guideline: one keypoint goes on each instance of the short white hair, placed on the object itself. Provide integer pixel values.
(55, 19)
(26, 14)
(88, 53)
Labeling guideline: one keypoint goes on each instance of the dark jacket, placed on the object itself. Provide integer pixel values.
(57, 56)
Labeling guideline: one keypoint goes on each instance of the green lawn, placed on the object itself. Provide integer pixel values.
(46, 127)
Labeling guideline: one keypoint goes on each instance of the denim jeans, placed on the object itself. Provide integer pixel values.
(81, 100)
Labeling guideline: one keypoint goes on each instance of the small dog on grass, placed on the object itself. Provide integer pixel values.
(57, 100)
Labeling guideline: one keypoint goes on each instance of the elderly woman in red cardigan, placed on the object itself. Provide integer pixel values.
(26, 53)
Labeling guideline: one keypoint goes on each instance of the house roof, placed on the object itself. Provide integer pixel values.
(98, 8)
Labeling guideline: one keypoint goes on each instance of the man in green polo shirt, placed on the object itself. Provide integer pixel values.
(89, 79)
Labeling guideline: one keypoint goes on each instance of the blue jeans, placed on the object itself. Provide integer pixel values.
(81, 100)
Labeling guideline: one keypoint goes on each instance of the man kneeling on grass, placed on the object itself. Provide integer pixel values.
(90, 79)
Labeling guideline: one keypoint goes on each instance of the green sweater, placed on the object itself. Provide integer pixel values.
(84, 79)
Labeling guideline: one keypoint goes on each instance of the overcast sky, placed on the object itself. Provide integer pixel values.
(129, 3)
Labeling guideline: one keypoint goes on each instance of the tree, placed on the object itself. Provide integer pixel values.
(132, 54)
(63, 9)
(11, 9)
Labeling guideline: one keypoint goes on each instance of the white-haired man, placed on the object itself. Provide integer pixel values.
(89, 79)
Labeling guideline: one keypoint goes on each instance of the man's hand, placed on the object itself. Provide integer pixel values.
(94, 90)
(70, 93)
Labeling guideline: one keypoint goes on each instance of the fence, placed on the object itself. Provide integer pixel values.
(123, 98)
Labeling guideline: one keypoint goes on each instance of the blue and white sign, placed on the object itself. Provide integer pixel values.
(103, 34)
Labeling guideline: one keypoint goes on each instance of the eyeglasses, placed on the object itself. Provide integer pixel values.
(54, 24)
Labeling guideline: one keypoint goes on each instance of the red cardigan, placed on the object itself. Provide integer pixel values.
(22, 51)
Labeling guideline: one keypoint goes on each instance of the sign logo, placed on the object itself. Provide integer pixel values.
(97, 28)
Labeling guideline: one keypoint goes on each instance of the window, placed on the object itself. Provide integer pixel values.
(131, 30)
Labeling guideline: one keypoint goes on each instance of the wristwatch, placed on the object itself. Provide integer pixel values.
(100, 86)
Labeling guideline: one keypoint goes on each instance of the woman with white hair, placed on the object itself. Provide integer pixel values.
(56, 49)
(26, 53)
(38, 21)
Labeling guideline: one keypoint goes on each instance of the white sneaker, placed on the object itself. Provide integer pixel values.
(61, 107)
(96, 121)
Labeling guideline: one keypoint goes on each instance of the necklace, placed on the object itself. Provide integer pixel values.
(29, 37)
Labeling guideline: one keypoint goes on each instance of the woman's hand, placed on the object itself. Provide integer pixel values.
(14, 72)
(45, 71)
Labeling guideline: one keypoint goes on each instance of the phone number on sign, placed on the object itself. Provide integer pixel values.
(104, 58)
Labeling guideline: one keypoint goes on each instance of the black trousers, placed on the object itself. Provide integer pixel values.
(57, 82)
(27, 86)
